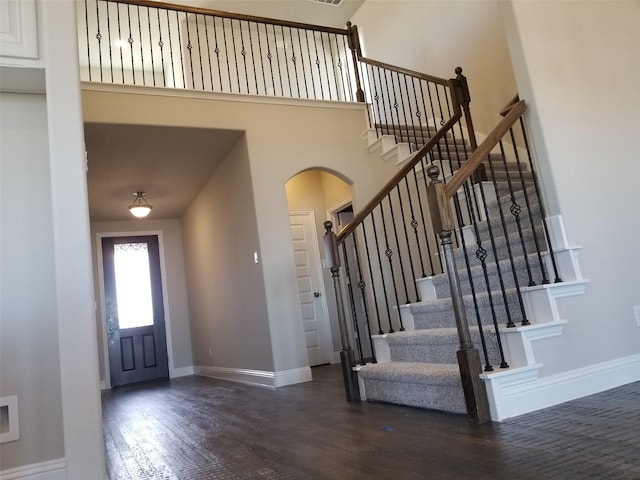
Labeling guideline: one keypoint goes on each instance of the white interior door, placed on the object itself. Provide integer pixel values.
(315, 317)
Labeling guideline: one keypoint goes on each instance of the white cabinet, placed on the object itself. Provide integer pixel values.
(21, 62)
(18, 30)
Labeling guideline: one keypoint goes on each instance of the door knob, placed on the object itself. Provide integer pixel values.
(316, 294)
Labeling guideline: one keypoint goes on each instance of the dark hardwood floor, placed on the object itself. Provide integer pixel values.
(200, 428)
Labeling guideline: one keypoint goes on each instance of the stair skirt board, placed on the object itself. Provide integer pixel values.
(257, 377)
(519, 391)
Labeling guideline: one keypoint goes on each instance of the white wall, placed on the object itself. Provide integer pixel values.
(175, 303)
(29, 357)
(435, 37)
(577, 65)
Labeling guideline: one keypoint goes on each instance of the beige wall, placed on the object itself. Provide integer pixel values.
(577, 65)
(172, 263)
(435, 37)
(230, 323)
(29, 356)
(282, 139)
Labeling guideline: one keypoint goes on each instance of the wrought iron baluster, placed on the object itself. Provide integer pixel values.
(275, 44)
(153, 66)
(313, 82)
(86, 25)
(226, 52)
(304, 76)
(144, 79)
(414, 226)
(264, 78)
(199, 53)
(235, 55)
(161, 45)
(318, 64)
(354, 315)
(362, 285)
(350, 70)
(406, 238)
(130, 41)
(294, 61)
(119, 40)
(389, 254)
(208, 42)
(182, 66)
(217, 52)
(515, 212)
(243, 52)
(173, 66)
(326, 66)
(384, 285)
(253, 59)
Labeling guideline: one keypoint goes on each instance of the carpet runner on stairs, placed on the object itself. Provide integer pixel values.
(423, 371)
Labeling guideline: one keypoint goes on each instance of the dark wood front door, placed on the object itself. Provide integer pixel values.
(134, 309)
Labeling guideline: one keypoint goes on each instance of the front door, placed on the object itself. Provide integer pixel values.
(134, 309)
(315, 317)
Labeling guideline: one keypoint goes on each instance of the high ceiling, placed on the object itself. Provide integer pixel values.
(173, 164)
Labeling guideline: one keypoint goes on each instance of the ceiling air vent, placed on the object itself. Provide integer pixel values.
(328, 2)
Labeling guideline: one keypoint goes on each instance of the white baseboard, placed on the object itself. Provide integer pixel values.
(512, 395)
(181, 372)
(51, 470)
(257, 377)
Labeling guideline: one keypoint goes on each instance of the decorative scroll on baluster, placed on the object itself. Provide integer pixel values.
(347, 356)
(468, 357)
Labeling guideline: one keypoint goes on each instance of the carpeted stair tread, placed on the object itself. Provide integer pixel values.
(414, 372)
(423, 385)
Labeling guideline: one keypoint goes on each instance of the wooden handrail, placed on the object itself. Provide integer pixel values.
(391, 184)
(406, 71)
(485, 148)
(233, 16)
(510, 105)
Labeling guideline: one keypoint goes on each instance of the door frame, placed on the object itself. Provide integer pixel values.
(101, 312)
(321, 287)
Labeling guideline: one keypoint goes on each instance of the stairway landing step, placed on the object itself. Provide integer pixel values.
(423, 385)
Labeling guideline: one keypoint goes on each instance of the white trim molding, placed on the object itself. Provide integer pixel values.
(181, 371)
(257, 377)
(521, 391)
(51, 470)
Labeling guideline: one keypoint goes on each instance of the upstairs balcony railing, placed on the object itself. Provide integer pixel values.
(148, 43)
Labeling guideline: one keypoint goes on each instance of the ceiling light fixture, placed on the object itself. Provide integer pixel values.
(140, 207)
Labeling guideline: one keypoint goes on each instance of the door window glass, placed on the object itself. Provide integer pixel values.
(133, 285)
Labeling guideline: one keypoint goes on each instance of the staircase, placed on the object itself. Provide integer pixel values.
(418, 366)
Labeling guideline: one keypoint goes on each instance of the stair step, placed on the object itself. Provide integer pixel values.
(519, 246)
(436, 345)
(423, 385)
(438, 313)
(441, 281)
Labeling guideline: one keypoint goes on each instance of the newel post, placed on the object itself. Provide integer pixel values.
(356, 52)
(475, 393)
(464, 97)
(347, 357)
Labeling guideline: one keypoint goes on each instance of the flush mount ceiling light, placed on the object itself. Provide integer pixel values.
(140, 207)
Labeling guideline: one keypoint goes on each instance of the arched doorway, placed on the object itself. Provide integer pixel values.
(312, 196)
